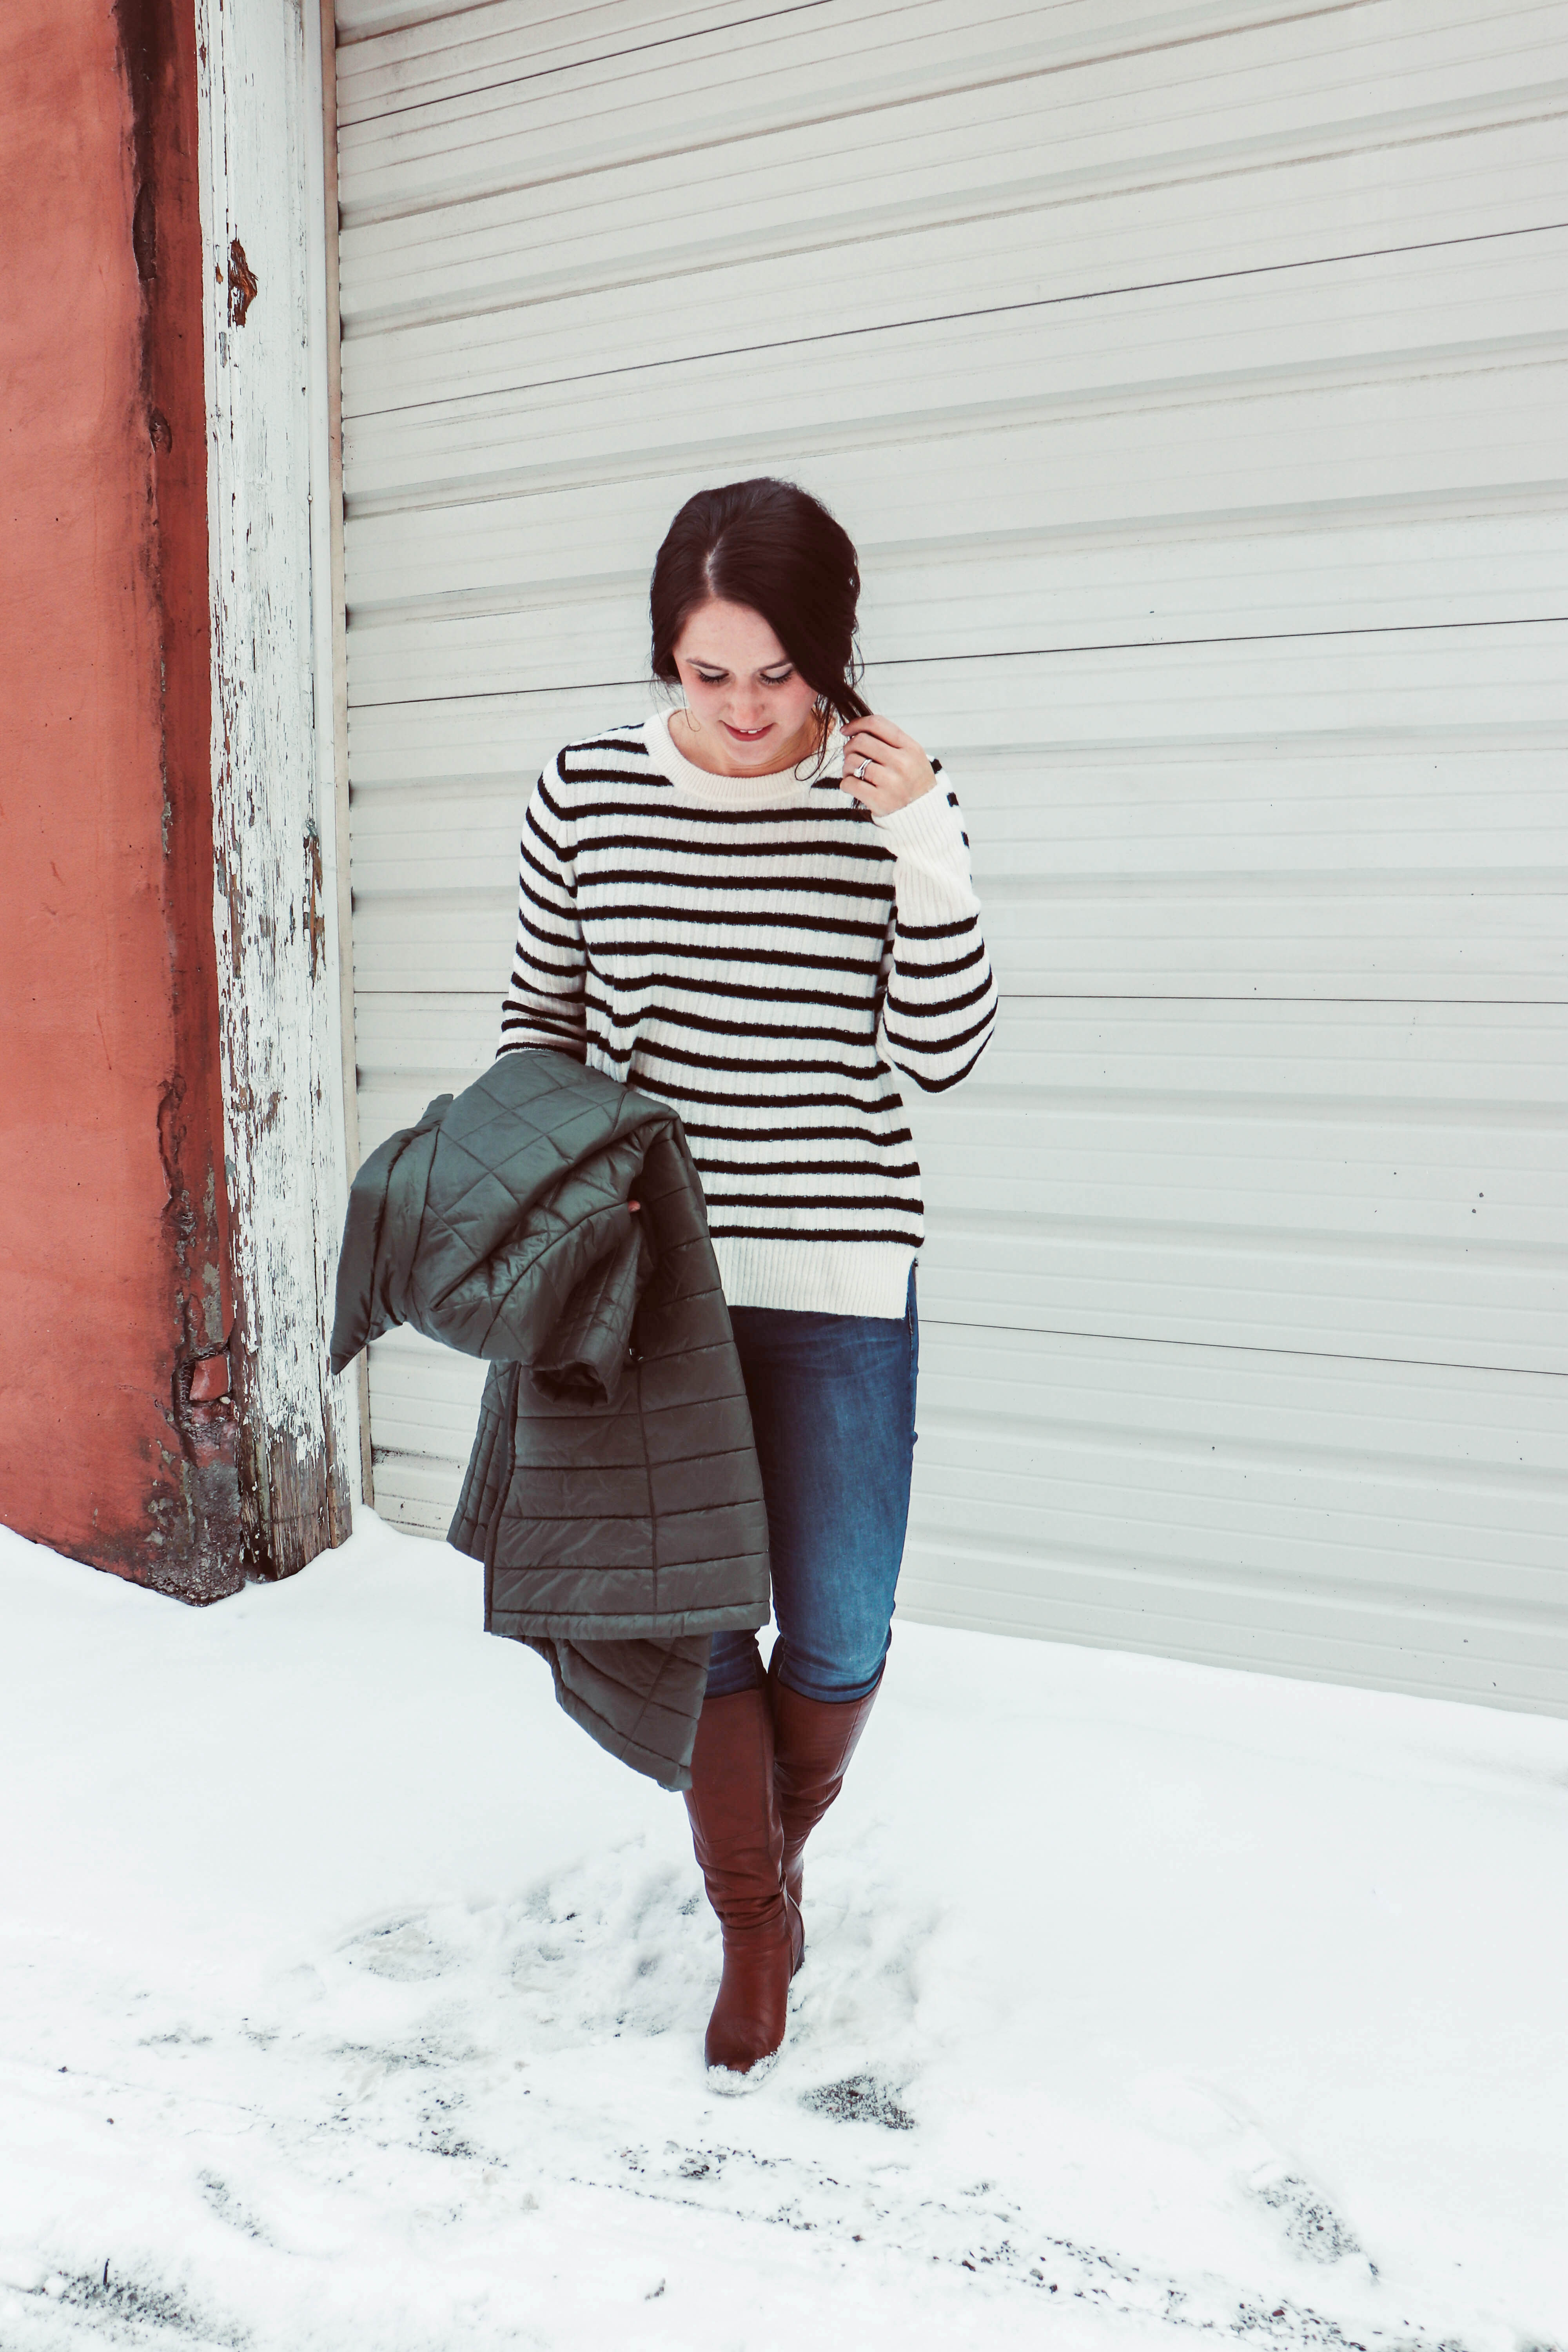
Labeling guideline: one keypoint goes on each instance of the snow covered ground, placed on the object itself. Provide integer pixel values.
(350, 1997)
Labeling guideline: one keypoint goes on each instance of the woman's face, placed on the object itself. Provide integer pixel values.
(752, 705)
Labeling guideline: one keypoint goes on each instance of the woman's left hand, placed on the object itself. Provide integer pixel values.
(897, 771)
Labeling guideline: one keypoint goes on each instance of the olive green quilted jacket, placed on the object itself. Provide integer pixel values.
(613, 1492)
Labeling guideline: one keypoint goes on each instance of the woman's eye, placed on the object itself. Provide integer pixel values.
(712, 677)
(781, 681)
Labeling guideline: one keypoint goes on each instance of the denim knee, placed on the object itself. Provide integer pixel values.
(838, 1681)
(734, 1664)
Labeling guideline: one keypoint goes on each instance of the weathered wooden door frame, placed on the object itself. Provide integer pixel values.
(332, 656)
(278, 772)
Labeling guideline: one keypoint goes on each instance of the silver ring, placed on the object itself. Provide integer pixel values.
(860, 771)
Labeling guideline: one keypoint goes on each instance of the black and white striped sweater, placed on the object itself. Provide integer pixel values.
(756, 951)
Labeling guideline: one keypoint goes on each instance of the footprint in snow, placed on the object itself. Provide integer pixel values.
(1309, 2222)
(610, 1949)
(1220, 2124)
(404, 1949)
(861, 2099)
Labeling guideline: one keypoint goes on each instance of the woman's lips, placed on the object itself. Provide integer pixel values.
(747, 734)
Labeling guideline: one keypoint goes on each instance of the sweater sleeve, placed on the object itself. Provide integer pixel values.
(545, 1004)
(940, 1001)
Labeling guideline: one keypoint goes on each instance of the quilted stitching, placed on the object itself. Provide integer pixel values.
(613, 1491)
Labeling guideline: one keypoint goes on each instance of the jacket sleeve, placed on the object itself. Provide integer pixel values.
(941, 1001)
(544, 1004)
(381, 1236)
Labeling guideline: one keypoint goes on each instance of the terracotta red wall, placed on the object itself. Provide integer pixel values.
(113, 1244)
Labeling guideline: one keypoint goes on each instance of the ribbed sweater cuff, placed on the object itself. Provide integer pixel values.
(932, 863)
(816, 1277)
(930, 825)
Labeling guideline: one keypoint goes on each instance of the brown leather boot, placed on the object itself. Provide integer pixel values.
(813, 1741)
(736, 1831)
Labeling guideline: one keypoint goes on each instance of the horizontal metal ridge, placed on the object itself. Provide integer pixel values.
(1068, 649)
(525, 74)
(512, 295)
(901, 428)
(1110, 1439)
(1148, 1569)
(1410, 128)
(1545, 496)
(915, 86)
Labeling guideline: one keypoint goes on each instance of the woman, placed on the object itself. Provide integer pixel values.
(736, 917)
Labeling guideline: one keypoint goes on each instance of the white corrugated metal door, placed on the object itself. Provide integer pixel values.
(1193, 381)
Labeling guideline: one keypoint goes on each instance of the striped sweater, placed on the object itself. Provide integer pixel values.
(757, 953)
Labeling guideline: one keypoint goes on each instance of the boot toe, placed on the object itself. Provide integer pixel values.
(729, 2082)
(746, 2029)
(739, 2053)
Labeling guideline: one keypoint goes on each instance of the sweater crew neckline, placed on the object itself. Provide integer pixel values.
(783, 788)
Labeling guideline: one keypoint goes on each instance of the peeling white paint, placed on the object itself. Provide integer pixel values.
(273, 800)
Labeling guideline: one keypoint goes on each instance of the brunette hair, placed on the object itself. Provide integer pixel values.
(775, 548)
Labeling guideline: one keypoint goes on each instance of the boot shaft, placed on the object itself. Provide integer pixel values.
(814, 1740)
(734, 1806)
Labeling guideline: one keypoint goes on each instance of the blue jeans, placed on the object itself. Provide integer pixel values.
(833, 1409)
